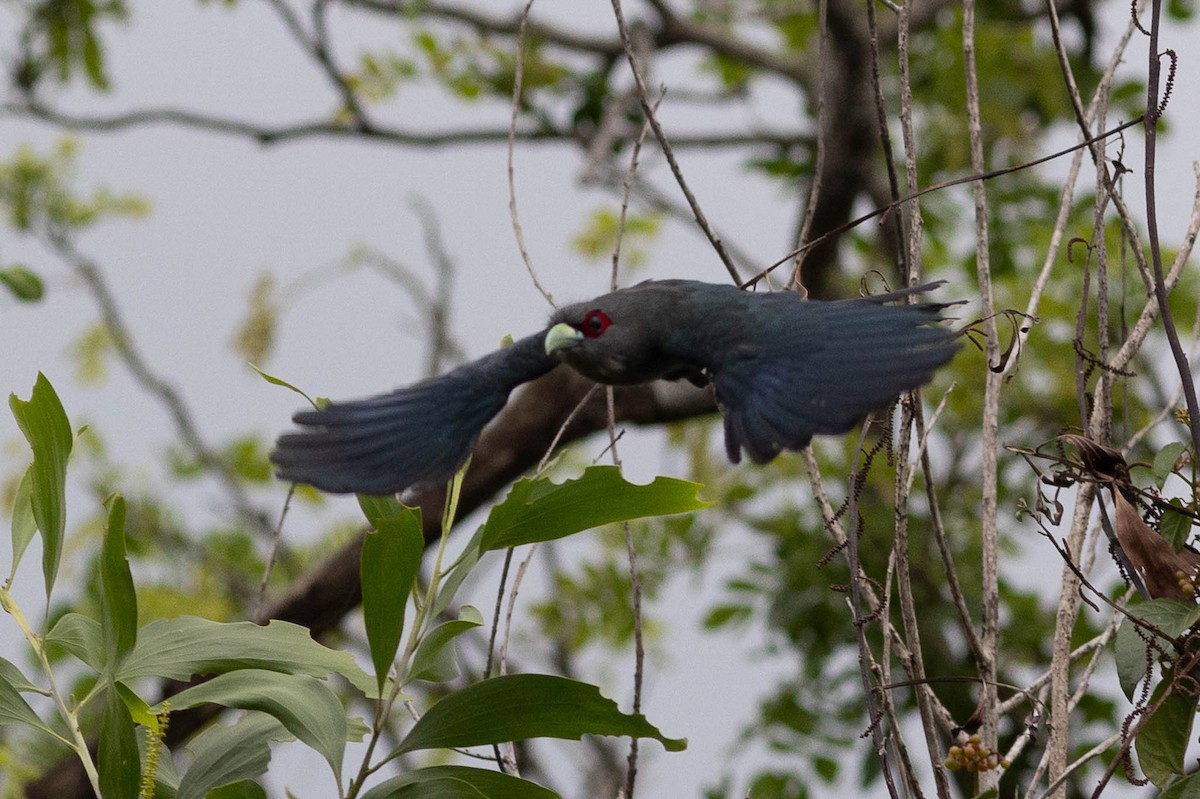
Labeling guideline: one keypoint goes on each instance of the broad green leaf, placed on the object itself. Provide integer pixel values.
(118, 602)
(379, 508)
(1165, 460)
(23, 283)
(44, 424)
(434, 658)
(1163, 739)
(541, 510)
(246, 789)
(117, 756)
(391, 558)
(307, 707)
(1174, 526)
(14, 677)
(81, 637)
(1171, 616)
(15, 710)
(515, 707)
(226, 755)
(458, 782)
(180, 647)
(24, 527)
(1186, 788)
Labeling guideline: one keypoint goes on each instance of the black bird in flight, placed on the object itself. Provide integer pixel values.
(783, 369)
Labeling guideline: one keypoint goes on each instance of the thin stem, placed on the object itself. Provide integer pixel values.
(77, 742)
(1160, 289)
(990, 424)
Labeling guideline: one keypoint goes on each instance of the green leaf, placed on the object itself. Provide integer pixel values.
(1175, 526)
(457, 573)
(178, 648)
(514, 707)
(246, 789)
(1186, 788)
(1163, 739)
(24, 284)
(1171, 616)
(458, 782)
(1165, 460)
(45, 425)
(139, 711)
(15, 678)
(14, 710)
(391, 558)
(1181, 9)
(226, 755)
(434, 658)
(118, 602)
(305, 706)
(276, 381)
(117, 757)
(81, 637)
(541, 510)
(24, 527)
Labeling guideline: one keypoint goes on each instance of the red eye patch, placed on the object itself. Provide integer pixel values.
(595, 323)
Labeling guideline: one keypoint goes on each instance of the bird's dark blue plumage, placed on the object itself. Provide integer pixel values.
(782, 370)
(413, 437)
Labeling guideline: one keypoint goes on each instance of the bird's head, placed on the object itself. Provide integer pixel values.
(618, 338)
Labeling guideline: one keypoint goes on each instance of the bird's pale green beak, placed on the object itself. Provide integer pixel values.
(562, 336)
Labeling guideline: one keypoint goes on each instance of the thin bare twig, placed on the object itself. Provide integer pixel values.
(272, 553)
(518, 83)
(635, 578)
(990, 422)
(652, 118)
(322, 127)
(819, 122)
(915, 194)
(1153, 112)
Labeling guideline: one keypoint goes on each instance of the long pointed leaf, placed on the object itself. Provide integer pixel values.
(1163, 740)
(24, 526)
(434, 658)
(515, 707)
(117, 757)
(225, 755)
(118, 602)
(180, 647)
(540, 510)
(391, 558)
(14, 710)
(458, 782)
(303, 704)
(45, 425)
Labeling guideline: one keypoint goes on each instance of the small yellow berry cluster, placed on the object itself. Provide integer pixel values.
(1186, 585)
(974, 757)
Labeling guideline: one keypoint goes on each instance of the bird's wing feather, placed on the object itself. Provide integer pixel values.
(820, 367)
(413, 437)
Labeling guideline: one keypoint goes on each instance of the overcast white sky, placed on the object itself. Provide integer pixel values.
(224, 210)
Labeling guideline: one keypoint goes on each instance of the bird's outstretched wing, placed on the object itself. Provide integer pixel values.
(806, 368)
(414, 437)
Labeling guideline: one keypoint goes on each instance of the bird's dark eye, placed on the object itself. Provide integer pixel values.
(595, 323)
